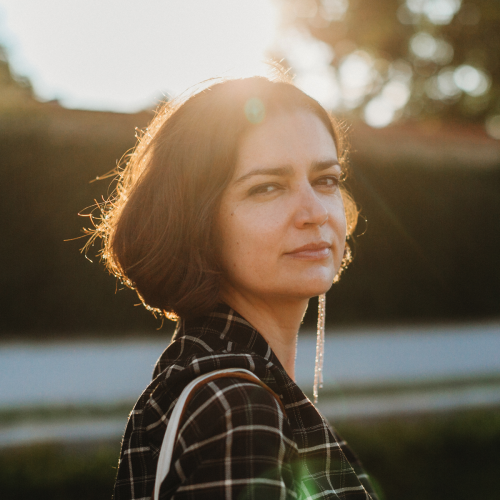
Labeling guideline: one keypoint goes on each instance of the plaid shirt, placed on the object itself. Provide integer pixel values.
(235, 441)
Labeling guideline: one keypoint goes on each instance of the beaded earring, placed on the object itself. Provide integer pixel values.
(320, 347)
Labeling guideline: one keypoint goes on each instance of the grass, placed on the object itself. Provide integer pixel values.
(12, 416)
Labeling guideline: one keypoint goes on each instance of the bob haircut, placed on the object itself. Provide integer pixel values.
(159, 226)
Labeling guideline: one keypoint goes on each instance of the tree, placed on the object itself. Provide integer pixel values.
(397, 59)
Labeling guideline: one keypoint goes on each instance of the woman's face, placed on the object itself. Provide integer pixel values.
(282, 220)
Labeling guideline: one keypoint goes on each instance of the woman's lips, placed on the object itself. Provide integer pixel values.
(313, 251)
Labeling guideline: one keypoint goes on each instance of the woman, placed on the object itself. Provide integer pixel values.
(230, 216)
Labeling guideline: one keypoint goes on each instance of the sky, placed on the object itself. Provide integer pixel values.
(125, 55)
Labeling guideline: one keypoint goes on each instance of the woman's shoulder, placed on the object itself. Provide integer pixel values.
(233, 432)
(235, 393)
(236, 405)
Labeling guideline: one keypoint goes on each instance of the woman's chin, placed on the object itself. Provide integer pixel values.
(318, 283)
(307, 290)
(319, 291)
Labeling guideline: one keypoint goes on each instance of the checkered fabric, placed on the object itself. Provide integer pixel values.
(235, 441)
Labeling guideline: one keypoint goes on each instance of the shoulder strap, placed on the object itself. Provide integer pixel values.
(170, 436)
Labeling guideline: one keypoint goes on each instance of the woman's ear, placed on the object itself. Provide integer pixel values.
(346, 260)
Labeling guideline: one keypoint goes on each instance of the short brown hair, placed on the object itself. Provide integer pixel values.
(158, 226)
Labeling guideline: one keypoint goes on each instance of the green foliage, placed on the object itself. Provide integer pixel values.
(429, 252)
(384, 29)
(49, 160)
(56, 472)
(453, 456)
(428, 248)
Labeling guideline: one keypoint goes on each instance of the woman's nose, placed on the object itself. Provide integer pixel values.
(309, 208)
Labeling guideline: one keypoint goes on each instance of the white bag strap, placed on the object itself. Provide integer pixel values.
(170, 437)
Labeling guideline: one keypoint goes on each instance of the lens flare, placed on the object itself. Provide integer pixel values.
(255, 111)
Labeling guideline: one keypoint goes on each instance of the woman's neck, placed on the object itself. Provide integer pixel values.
(278, 321)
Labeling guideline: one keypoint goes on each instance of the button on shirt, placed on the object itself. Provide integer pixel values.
(235, 441)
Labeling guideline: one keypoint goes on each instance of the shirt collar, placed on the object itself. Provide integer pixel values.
(228, 325)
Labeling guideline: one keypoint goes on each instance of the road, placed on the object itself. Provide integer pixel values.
(433, 369)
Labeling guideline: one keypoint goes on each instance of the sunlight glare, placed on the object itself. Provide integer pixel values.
(322, 86)
(437, 11)
(446, 83)
(423, 45)
(334, 10)
(310, 61)
(357, 74)
(356, 69)
(397, 93)
(471, 80)
(426, 47)
(379, 112)
(305, 53)
(441, 11)
(125, 55)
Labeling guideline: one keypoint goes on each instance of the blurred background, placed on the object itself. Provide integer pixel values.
(413, 348)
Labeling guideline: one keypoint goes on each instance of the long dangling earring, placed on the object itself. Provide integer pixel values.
(320, 347)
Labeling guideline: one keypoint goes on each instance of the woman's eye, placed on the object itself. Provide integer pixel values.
(263, 189)
(328, 181)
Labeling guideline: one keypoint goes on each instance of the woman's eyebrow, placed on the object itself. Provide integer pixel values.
(287, 171)
(277, 171)
(318, 166)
